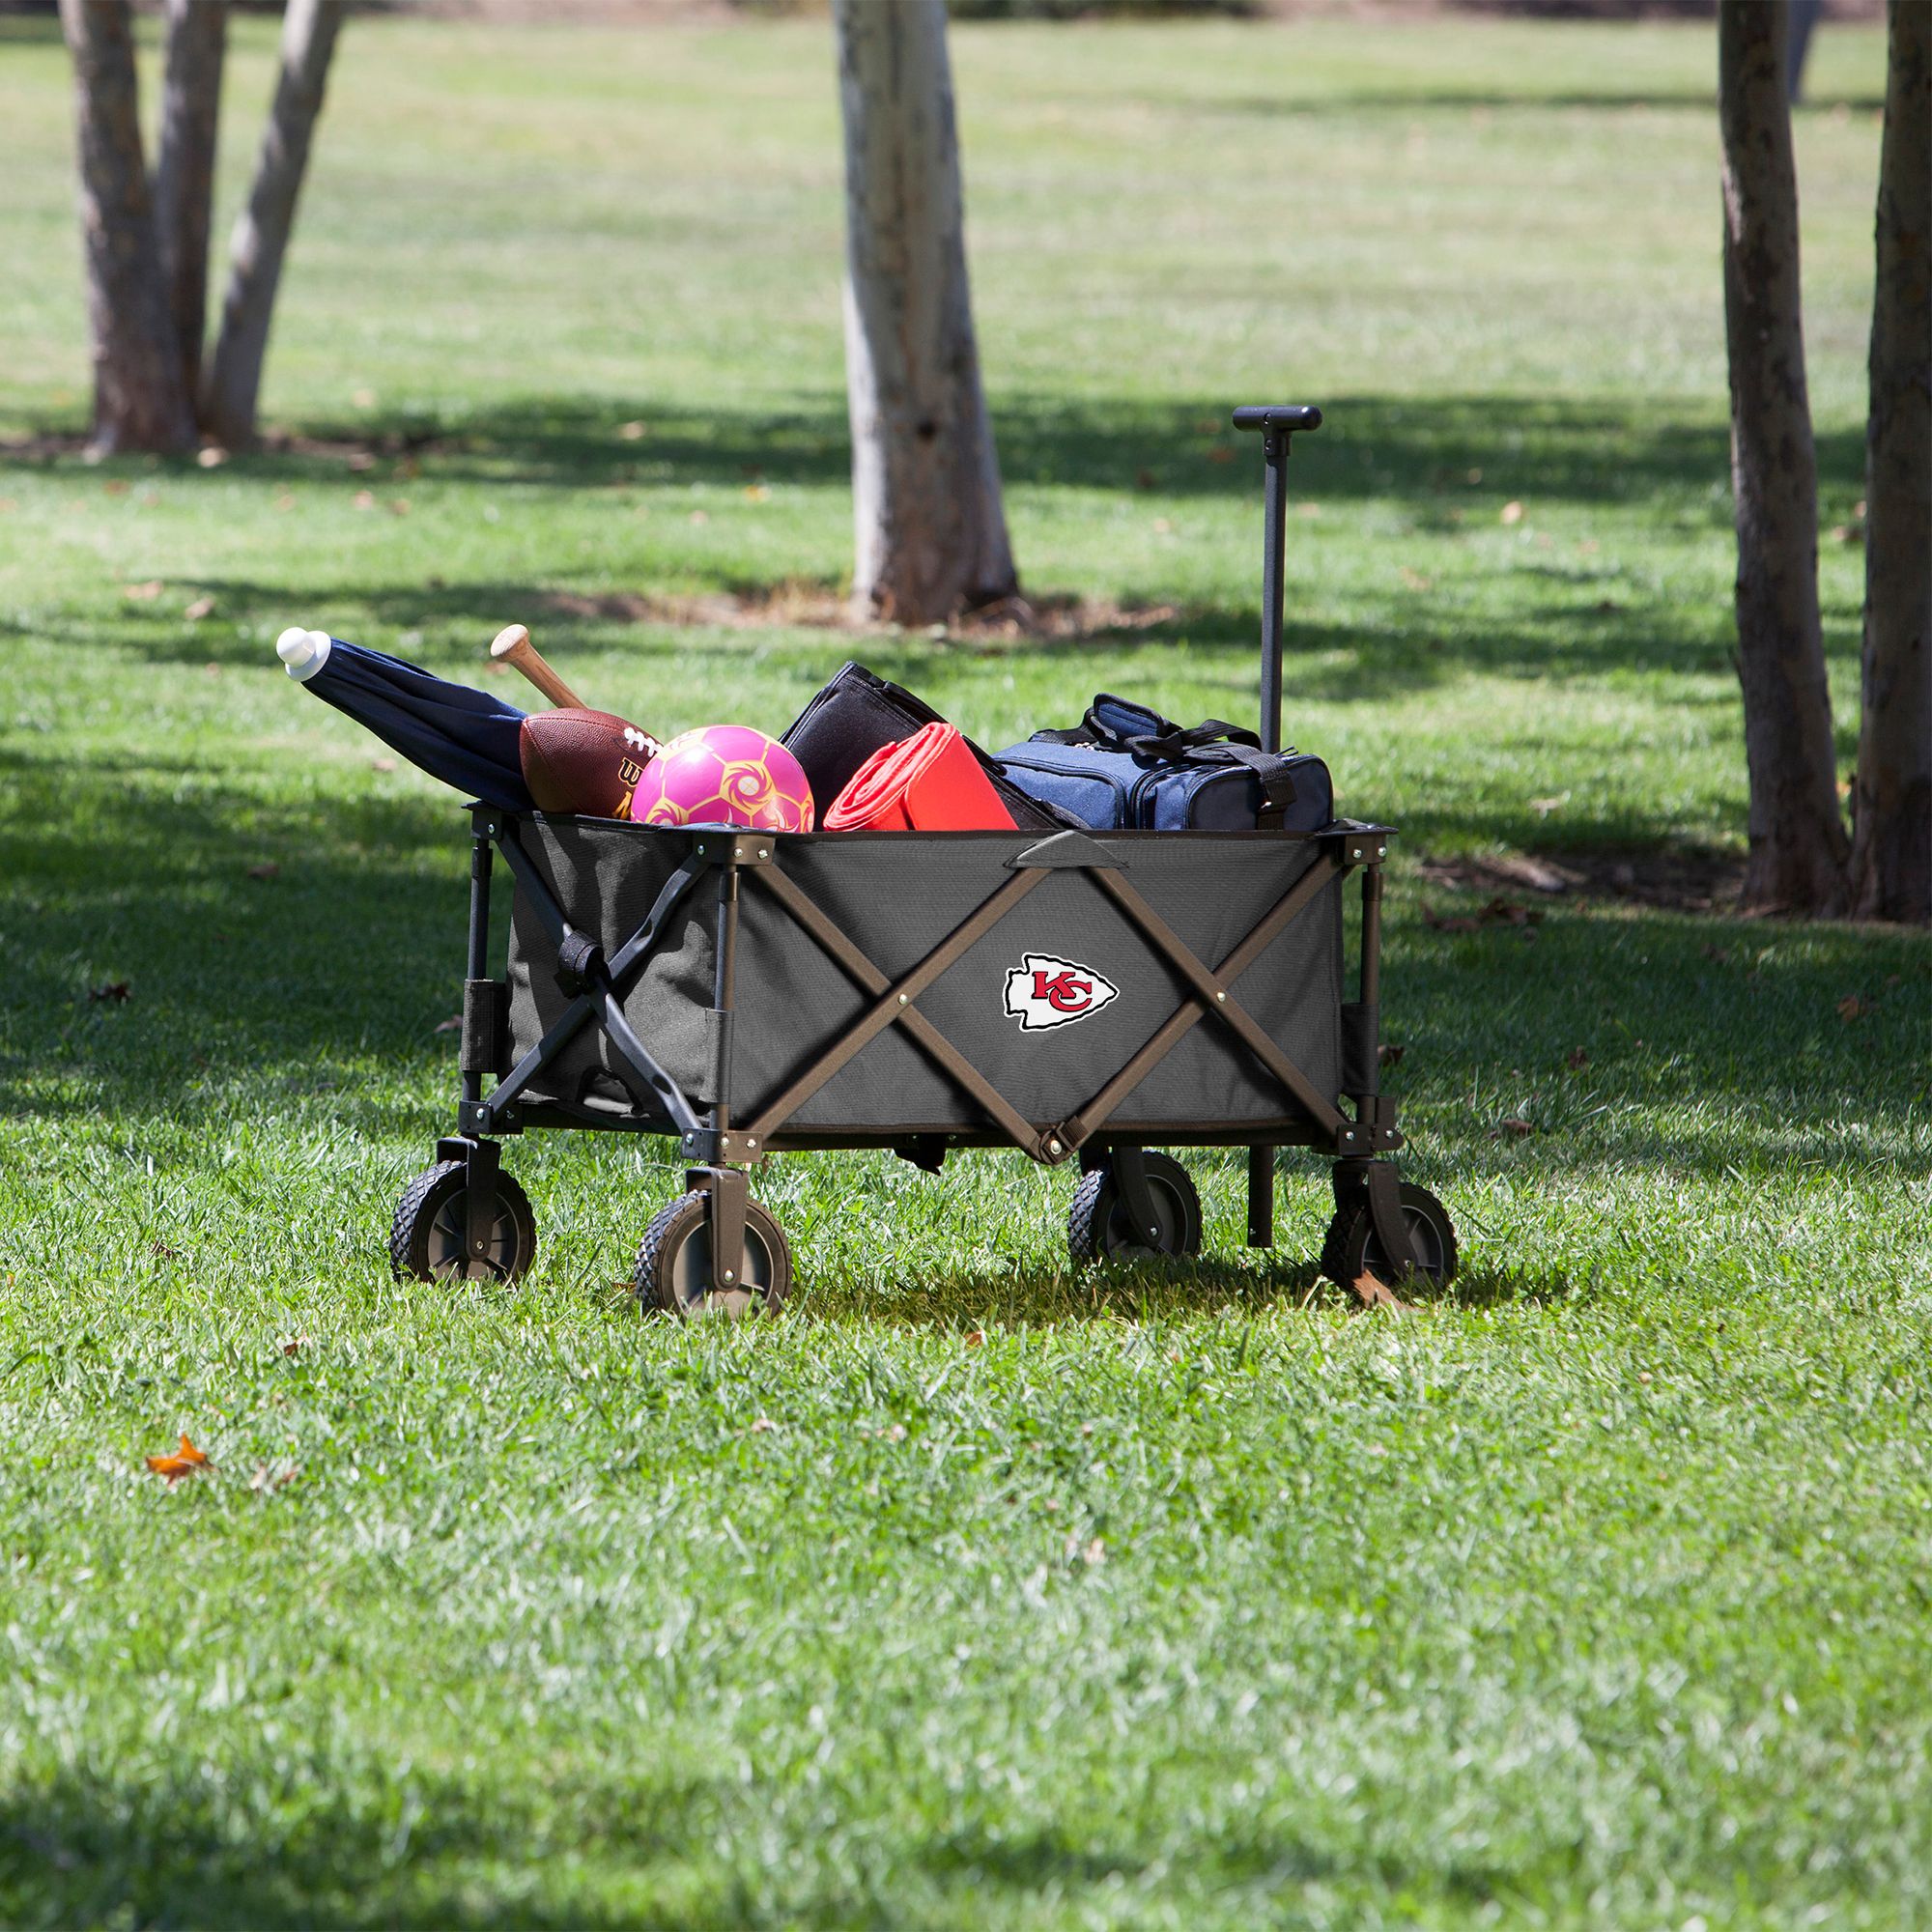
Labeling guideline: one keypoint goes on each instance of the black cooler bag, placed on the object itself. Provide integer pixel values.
(856, 714)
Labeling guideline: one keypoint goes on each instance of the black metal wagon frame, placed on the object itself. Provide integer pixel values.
(466, 1217)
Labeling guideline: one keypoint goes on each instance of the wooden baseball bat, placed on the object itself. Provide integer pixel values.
(512, 645)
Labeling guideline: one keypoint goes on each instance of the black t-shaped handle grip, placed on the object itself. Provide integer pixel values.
(1277, 418)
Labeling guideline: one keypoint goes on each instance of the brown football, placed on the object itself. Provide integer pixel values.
(583, 761)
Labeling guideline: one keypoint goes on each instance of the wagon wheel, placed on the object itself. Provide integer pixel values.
(1099, 1229)
(673, 1270)
(429, 1234)
(1352, 1250)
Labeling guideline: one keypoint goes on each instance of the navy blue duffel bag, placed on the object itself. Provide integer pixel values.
(1125, 767)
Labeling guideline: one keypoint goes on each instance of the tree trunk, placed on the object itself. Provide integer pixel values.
(1798, 842)
(925, 478)
(184, 173)
(261, 236)
(1892, 814)
(139, 402)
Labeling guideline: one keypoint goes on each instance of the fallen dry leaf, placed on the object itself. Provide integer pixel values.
(1413, 580)
(400, 507)
(1377, 1294)
(113, 991)
(755, 492)
(1388, 1054)
(266, 869)
(361, 458)
(293, 1345)
(185, 1461)
(202, 607)
(1854, 1006)
(363, 399)
(453, 1024)
(363, 500)
(631, 431)
(212, 457)
(1577, 1059)
(1512, 513)
(976, 1338)
(142, 593)
(763, 1426)
(114, 487)
(896, 1433)
(1220, 453)
(381, 764)
(1095, 1552)
(264, 1478)
(284, 500)
(1514, 1129)
(1440, 923)
(701, 517)
(1544, 807)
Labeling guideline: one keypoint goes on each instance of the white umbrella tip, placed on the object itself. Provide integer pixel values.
(302, 651)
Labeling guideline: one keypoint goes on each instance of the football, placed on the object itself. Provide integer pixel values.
(724, 775)
(583, 761)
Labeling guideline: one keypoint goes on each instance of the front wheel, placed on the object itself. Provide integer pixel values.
(429, 1236)
(673, 1270)
(1352, 1250)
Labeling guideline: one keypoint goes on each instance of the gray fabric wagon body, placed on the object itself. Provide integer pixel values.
(897, 896)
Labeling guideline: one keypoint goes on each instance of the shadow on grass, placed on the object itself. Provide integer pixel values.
(1144, 1293)
(294, 948)
(1371, 447)
(1405, 647)
(417, 1852)
(263, 947)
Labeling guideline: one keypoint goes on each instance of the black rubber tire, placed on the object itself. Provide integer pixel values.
(1097, 1228)
(426, 1237)
(673, 1270)
(1351, 1250)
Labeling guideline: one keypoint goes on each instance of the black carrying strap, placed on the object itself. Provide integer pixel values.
(1212, 741)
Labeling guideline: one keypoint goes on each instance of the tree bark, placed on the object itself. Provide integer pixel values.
(261, 236)
(139, 401)
(1891, 812)
(185, 171)
(1797, 845)
(932, 532)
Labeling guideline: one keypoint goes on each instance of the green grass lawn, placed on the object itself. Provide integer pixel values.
(1593, 1597)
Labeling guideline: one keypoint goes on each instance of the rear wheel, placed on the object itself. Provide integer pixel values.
(429, 1236)
(1100, 1229)
(673, 1270)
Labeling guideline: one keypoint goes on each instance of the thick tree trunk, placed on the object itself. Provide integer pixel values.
(1798, 842)
(139, 401)
(261, 236)
(185, 171)
(925, 478)
(1891, 847)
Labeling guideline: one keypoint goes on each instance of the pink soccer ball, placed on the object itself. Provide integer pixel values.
(724, 775)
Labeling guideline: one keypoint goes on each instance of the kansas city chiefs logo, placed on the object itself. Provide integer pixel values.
(1043, 991)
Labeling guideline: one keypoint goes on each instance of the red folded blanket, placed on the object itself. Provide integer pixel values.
(928, 782)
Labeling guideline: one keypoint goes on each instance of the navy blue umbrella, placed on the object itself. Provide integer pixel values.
(464, 737)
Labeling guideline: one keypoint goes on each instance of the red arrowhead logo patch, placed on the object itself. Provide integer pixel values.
(1044, 991)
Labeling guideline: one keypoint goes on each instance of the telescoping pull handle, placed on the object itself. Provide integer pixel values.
(1277, 423)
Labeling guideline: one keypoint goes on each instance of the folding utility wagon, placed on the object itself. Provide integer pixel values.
(1082, 997)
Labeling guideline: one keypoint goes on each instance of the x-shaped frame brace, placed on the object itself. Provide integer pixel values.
(893, 1005)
